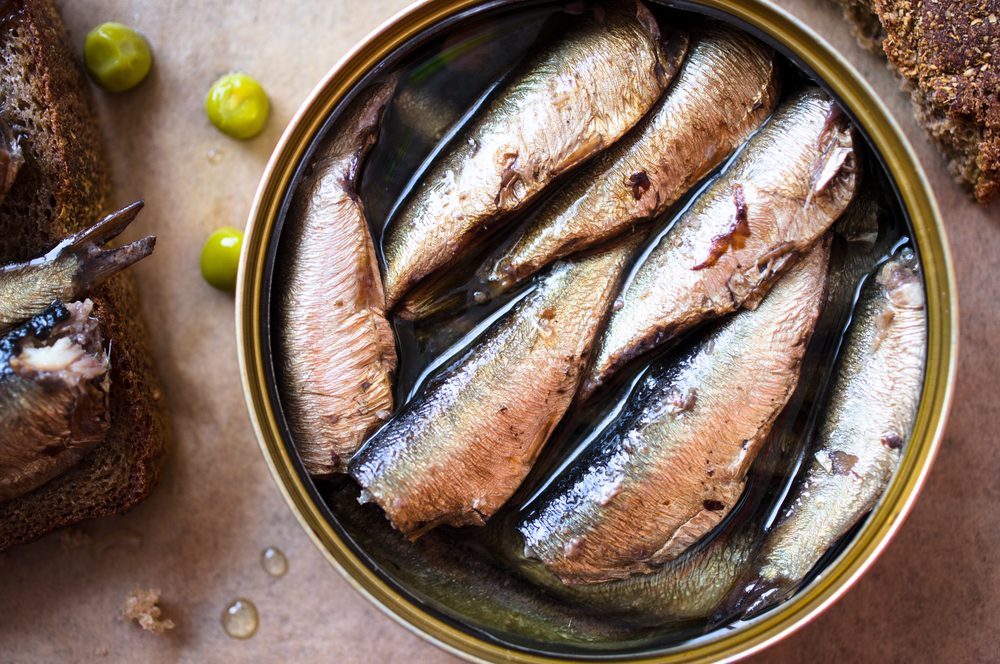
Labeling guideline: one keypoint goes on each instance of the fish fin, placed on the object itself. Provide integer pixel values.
(749, 597)
(96, 262)
(104, 230)
(99, 264)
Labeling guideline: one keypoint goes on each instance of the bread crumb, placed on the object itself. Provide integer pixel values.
(141, 606)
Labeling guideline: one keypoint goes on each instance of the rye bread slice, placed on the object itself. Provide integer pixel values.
(946, 54)
(63, 187)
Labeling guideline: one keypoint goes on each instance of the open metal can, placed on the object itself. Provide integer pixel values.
(479, 622)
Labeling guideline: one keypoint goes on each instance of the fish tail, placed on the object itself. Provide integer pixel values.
(99, 264)
(105, 230)
(96, 262)
(748, 598)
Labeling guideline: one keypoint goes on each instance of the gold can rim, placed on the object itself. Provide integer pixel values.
(942, 350)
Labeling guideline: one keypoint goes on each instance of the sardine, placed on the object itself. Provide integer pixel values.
(70, 269)
(53, 396)
(673, 463)
(724, 90)
(340, 352)
(461, 447)
(869, 418)
(570, 100)
(783, 191)
(684, 590)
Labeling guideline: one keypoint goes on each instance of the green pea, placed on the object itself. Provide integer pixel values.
(220, 258)
(117, 57)
(238, 106)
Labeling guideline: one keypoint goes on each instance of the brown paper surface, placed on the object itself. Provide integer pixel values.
(933, 596)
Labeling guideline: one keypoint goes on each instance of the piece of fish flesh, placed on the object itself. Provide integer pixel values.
(684, 590)
(673, 463)
(869, 418)
(70, 269)
(54, 386)
(784, 190)
(339, 350)
(461, 447)
(569, 100)
(725, 89)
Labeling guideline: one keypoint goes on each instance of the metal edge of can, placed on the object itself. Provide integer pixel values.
(939, 379)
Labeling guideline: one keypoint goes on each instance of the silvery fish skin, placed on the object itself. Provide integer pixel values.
(339, 348)
(784, 190)
(860, 241)
(461, 447)
(70, 269)
(725, 89)
(869, 417)
(53, 396)
(570, 100)
(673, 463)
(683, 590)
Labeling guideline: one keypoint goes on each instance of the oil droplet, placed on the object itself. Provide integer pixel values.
(240, 619)
(273, 561)
(214, 155)
(480, 297)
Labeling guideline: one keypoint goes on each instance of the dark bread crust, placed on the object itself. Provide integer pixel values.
(946, 53)
(62, 188)
(864, 24)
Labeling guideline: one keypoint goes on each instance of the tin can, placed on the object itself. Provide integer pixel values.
(261, 252)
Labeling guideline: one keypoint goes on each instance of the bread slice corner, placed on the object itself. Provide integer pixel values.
(940, 50)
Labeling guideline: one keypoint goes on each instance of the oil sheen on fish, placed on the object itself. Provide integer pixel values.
(461, 447)
(791, 181)
(725, 89)
(673, 463)
(340, 353)
(684, 590)
(869, 417)
(860, 241)
(70, 269)
(53, 396)
(569, 100)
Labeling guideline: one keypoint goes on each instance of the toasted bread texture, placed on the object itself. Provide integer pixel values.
(944, 52)
(63, 187)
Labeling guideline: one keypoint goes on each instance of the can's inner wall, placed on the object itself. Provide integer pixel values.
(448, 574)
